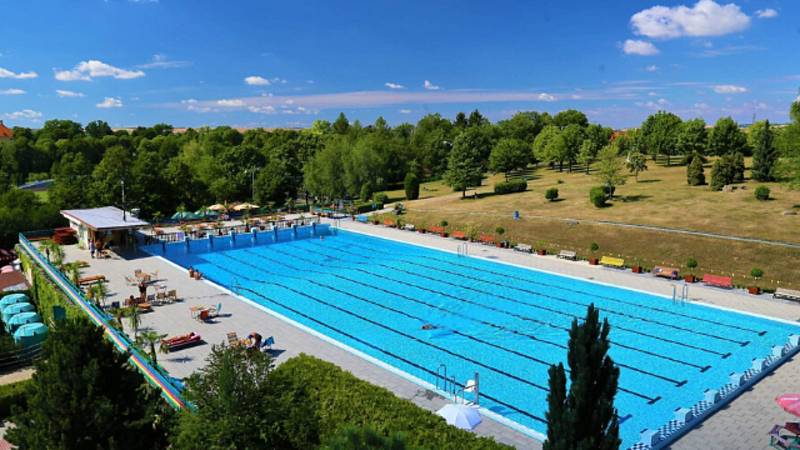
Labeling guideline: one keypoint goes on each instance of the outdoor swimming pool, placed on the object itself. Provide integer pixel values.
(507, 323)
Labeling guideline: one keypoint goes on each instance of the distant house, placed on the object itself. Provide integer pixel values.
(5, 132)
(109, 225)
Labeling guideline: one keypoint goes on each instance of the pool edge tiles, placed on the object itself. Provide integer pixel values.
(516, 426)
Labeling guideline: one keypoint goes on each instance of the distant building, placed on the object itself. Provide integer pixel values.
(108, 224)
(5, 132)
(37, 186)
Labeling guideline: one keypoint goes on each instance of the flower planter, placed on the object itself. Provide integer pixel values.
(593, 261)
(444, 235)
(754, 290)
(689, 278)
(636, 269)
(541, 252)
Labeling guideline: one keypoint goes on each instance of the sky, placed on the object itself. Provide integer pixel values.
(285, 64)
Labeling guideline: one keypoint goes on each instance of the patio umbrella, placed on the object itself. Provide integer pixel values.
(461, 416)
(185, 215)
(245, 206)
(206, 212)
(790, 403)
(217, 207)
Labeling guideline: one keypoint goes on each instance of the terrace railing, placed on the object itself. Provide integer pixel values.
(178, 236)
(121, 341)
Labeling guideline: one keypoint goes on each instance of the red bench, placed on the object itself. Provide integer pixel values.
(718, 281)
(389, 223)
(437, 230)
(459, 235)
(486, 239)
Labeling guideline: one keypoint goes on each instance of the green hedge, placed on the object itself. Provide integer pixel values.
(508, 187)
(339, 399)
(44, 293)
(13, 394)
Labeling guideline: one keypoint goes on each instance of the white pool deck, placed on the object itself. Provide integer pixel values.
(743, 424)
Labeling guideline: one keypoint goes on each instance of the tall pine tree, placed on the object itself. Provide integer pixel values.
(765, 155)
(694, 172)
(584, 417)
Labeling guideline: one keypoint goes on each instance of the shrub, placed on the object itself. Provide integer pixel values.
(14, 394)
(411, 185)
(500, 230)
(691, 263)
(551, 194)
(363, 207)
(762, 193)
(594, 247)
(380, 198)
(338, 399)
(510, 186)
(756, 272)
(694, 173)
(443, 223)
(366, 191)
(597, 195)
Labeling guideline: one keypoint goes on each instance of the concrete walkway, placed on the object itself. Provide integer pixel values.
(742, 424)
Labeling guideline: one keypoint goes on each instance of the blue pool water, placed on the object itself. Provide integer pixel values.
(507, 323)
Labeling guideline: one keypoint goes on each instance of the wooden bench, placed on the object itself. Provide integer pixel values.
(523, 248)
(486, 239)
(459, 235)
(92, 279)
(666, 272)
(610, 261)
(568, 254)
(787, 294)
(718, 281)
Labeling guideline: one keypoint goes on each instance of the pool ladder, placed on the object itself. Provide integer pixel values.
(684, 293)
(463, 249)
(451, 387)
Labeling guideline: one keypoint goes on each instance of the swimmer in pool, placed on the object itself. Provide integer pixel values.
(429, 326)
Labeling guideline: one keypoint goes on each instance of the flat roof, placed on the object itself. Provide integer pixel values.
(105, 218)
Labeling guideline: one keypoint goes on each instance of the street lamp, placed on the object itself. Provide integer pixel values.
(122, 182)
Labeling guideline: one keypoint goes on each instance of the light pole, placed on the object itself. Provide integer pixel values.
(252, 170)
(122, 182)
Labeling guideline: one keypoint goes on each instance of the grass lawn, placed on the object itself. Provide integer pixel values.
(661, 197)
(43, 196)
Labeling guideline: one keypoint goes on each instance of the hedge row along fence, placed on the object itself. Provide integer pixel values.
(339, 399)
(62, 292)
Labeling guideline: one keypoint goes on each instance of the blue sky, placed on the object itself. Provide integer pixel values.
(265, 63)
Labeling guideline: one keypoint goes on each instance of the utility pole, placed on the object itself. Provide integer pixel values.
(122, 182)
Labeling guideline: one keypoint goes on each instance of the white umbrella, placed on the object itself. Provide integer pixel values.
(461, 416)
(244, 206)
(217, 207)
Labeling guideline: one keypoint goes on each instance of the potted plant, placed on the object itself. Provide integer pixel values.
(540, 250)
(444, 225)
(757, 274)
(593, 248)
(500, 242)
(691, 264)
(637, 267)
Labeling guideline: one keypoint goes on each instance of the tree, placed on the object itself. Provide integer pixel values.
(524, 125)
(636, 163)
(464, 168)
(573, 138)
(609, 169)
(134, 319)
(98, 129)
(411, 185)
(542, 142)
(341, 125)
(587, 154)
(84, 394)
(727, 138)
(692, 139)
(352, 438)
(150, 338)
(765, 155)
(694, 172)
(551, 194)
(508, 155)
(584, 417)
(659, 134)
(570, 117)
(724, 171)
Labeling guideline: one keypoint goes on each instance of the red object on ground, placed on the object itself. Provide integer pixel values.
(486, 239)
(718, 280)
(459, 235)
(389, 223)
(64, 236)
(181, 341)
(790, 403)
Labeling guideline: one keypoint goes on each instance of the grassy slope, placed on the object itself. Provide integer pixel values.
(662, 198)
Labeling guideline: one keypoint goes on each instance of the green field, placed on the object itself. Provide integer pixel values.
(661, 198)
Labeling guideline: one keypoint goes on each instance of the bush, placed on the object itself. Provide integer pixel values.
(338, 399)
(362, 207)
(694, 173)
(594, 247)
(756, 272)
(510, 186)
(691, 263)
(761, 193)
(551, 194)
(500, 230)
(366, 192)
(597, 195)
(411, 185)
(380, 198)
(443, 223)
(14, 394)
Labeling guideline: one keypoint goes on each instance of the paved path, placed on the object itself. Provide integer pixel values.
(19, 375)
(742, 424)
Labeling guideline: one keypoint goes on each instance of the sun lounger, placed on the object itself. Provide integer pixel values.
(718, 281)
(182, 341)
(460, 235)
(523, 248)
(568, 254)
(92, 279)
(666, 272)
(783, 441)
(215, 310)
(787, 294)
(610, 261)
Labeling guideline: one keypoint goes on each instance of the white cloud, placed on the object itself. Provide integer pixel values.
(63, 93)
(110, 102)
(86, 70)
(161, 61)
(405, 111)
(545, 97)
(391, 85)
(729, 89)
(193, 105)
(705, 18)
(768, 13)
(5, 73)
(651, 68)
(255, 80)
(658, 104)
(230, 103)
(430, 86)
(12, 91)
(701, 105)
(637, 47)
(25, 114)
(268, 109)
